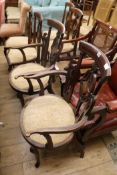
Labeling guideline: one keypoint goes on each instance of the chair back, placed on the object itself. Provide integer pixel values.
(103, 36)
(35, 27)
(68, 6)
(56, 44)
(86, 86)
(103, 10)
(73, 23)
(25, 8)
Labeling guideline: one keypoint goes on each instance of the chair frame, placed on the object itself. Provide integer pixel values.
(34, 40)
(91, 35)
(67, 89)
(54, 51)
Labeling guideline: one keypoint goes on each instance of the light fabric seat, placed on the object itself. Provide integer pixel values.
(13, 14)
(15, 55)
(20, 83)
(16, 41)
(47, 112)
(61, 65)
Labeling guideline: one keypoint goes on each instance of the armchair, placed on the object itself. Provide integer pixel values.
(48, 121)
(26, 87)
(22, 49)
(102, 36)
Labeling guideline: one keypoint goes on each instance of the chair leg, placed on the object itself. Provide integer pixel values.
(80, 146)
(21, 98)
(36, 152)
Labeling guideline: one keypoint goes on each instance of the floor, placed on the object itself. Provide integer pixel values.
(15, 158)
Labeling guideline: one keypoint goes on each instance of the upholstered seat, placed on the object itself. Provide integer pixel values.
(20, 83)
(13, 14)
(45, 112)
(16, 56)
(16, 41)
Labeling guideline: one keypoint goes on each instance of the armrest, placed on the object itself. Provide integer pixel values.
(76, 39)
(112, 106)
(41, 74)
(24, 46)
(59, 130)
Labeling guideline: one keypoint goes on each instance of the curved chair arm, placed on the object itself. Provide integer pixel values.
(112, 106)
(24, 46)
(58, 130)
(77, 39)
(40, 74)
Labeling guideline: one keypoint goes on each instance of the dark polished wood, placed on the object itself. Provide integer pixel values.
(89, 85)
(12, 3)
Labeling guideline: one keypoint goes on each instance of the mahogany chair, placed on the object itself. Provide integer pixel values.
(73, 23)
(104, 113)
(48, 121)
(12, 29)
(102, 36)
(22, 49)
(25, 87)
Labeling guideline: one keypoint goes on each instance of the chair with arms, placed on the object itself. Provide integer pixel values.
(48, 121)
(20, 84)
(22, 49)
(102, 36)
(8, 29)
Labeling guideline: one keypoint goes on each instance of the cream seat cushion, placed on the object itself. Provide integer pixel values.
(61, 65)
(46, 112)
(20, 83)
(13, 14)
(66, 47)
(16, 41)
(15, 55)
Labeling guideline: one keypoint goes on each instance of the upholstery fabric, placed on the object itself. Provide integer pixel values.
(15, 55)
(46, 112)
(13, 14)
(16, 41)
(21, 83)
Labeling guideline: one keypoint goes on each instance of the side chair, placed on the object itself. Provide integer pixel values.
(12, 29)
(22, 49)
(73, 23)
(49, 121)
(23, 86)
